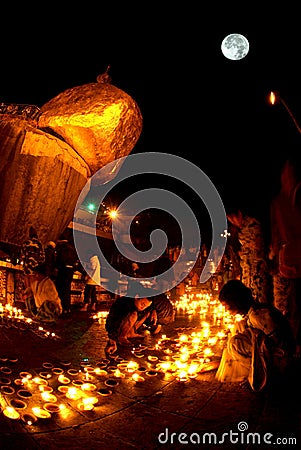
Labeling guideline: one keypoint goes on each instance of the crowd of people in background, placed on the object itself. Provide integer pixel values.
(48, 275)
(266, 275)
(266, 290)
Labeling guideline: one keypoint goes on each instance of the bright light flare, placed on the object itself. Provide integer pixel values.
(113, 214)
(91, 207)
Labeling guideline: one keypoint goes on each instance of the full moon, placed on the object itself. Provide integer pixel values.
(235, 46)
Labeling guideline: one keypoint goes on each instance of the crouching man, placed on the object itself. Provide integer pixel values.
(125, 318)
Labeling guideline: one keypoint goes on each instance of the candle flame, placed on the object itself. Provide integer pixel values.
(272, 98)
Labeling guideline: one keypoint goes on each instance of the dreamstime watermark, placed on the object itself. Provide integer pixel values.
(169, 166)
(240, 437)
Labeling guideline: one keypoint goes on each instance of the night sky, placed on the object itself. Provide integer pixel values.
(195, 103)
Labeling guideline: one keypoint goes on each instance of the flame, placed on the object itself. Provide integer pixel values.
(272, 98)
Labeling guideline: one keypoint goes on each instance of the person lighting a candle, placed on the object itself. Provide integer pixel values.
(261, 349)
(161, 311)
(125, 318)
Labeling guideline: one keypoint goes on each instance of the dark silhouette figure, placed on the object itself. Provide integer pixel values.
(285, 247)
(65, 261)
(32, 253)
(49, 267)
(162, 265)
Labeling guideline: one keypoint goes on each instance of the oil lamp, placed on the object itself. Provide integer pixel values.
(275, 98)
(88, 387)
(11, 412)
(138, 378)
(41, 413)
(74, 393)
(29, 419)
(64, 380)
(48, 397)
(119, 374)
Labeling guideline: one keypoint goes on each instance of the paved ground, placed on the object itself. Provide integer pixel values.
(151, 414)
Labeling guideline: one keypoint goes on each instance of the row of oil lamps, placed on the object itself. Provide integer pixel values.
(182, 358)
(12, 314)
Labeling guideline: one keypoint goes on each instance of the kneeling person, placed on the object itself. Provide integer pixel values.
(124, 320)
(161, 311)
(42, 299)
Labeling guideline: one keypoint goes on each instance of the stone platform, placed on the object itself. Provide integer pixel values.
(157, 413)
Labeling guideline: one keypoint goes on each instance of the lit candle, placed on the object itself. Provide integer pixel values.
(138, 378)
(100, 372)
(11, 413)
(192, 370)
(182, 375)
(25, 375)
(85, 406)
(40, 381)
(48, 397)
(88, 387)
(119, 374)
(275, 98)
(64, 380)
(132, 366)
(40, 413)
(74, 393)
(45, 388)
(165, 366)
(90, 400)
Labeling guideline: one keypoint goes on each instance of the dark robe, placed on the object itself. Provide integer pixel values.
(119, 310)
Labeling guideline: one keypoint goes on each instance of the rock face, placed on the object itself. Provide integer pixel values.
(41, 178)
(45, 163)
(99, 121)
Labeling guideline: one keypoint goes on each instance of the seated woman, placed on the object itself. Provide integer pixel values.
(261, 347)
(124, 320)
(41, 298)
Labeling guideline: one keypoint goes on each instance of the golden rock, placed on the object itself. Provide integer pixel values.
(98, 120)
(47, 161)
